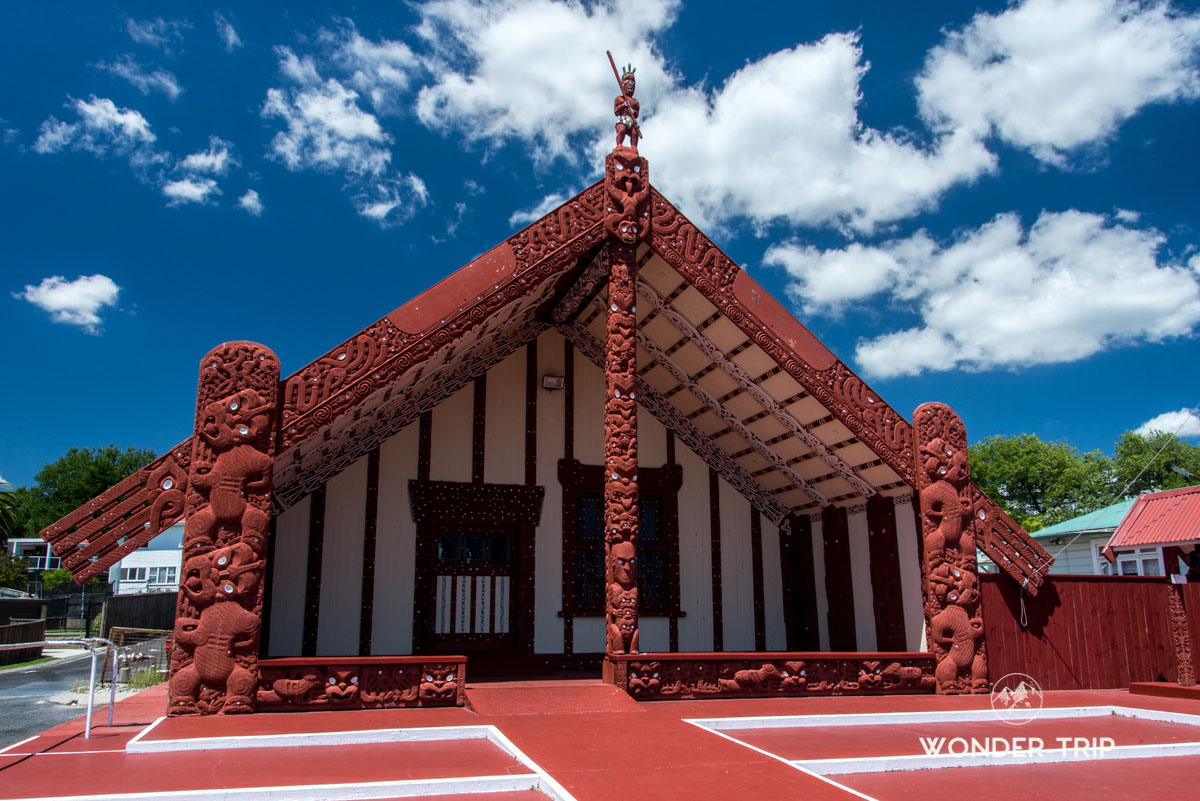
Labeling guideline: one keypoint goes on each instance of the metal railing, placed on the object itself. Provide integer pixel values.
(88, 643)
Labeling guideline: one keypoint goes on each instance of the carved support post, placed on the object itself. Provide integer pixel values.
(626, 223)
(949, 574)
(214, 665)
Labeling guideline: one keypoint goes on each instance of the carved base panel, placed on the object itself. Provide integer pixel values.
(303, 684)
(676, 676)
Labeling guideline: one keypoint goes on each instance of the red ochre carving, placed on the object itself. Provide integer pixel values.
(219, 614)
(740, 675)
(953, 610)
(373, 683)
(1181, 637)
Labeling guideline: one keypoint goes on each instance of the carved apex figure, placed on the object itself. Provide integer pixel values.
(219, 614)
(626, 174)
(626, 107)
(953, 612)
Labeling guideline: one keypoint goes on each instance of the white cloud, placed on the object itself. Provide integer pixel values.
(381, 71)
(189, 190)
(252, 203)
(158, 32)
(329, 130)
(1001, 295)
(77, 302)
(513, 69)
(102, 129)
(391, 201)
(229, 35)
(1183, 423)
(543, 207)
(143, 78)
(1051, 75)
(782, 140)
(216, 160)
(326, 130)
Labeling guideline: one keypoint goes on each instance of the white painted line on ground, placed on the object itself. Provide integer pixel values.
(887, 764)
(549, 786)
(22, 742)
(406, 788)
(790, 764)
(330, 738)
(888, 718)
(545, 782)
(883, 764)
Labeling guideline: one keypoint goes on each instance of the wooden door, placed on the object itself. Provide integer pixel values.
(474, 575)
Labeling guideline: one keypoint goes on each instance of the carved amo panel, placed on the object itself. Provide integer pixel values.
(124, 518)
(214, 663)
(949, 575)
(734, 675)
(300, 684)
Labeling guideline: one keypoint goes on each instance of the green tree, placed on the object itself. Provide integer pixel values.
(1134, 451)
(8, 513)
(59, 582)
(1041, 483)
(64, 485)
(12, 572)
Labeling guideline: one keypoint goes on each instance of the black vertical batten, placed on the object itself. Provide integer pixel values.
(312, 588)
(368, 576)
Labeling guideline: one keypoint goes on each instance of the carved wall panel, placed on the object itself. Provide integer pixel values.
(657, 677)
(1181, 637)
(949, 575)
(214, 664)
(299, 684)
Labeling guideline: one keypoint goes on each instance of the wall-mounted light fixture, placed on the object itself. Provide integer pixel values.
(553, 382)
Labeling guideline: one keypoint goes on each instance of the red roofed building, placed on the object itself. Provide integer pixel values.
(1169, 520)
(599, 442)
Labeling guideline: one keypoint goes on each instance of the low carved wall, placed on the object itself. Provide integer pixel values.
(295, 684)
(649, 677)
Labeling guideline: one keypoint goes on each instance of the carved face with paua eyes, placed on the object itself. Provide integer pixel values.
(624, 558)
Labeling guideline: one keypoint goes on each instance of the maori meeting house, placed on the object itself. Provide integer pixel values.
(601, 444)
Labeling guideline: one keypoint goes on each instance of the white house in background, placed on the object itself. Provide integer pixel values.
(153, 567)
(1081, 541)
(36, 552)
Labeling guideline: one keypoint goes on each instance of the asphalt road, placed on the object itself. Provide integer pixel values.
(24, 708)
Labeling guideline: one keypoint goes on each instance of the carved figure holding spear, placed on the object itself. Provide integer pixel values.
(625, 106)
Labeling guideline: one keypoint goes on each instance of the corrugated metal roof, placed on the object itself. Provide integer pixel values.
(1159, 518)
(1109, 517)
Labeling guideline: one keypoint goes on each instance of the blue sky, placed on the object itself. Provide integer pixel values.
(990, 206)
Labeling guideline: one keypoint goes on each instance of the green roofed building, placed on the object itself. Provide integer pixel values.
(1083, 539)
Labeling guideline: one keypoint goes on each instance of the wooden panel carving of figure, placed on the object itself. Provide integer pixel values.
(953, 610)
(219, 615)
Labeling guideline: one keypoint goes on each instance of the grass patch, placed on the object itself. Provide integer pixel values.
(145, 678)
(28, 663)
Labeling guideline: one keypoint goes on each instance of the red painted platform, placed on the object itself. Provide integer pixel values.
(1165, 689)
(593, 742)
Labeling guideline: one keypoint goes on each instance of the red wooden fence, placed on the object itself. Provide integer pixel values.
(1083, 632)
